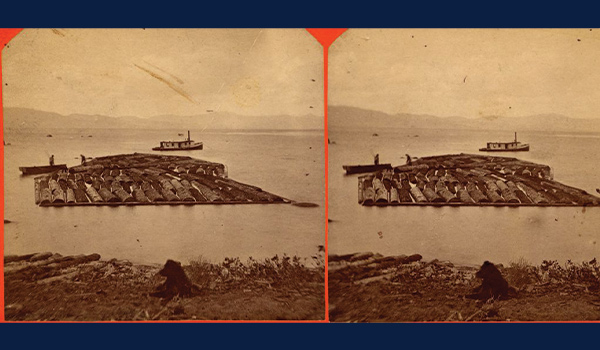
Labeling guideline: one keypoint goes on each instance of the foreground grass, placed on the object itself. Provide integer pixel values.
(434, 291)
(280, 288)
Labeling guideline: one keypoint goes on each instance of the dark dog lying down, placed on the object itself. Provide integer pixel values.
(493, 285)
(177, 283)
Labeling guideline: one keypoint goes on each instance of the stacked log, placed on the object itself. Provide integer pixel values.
(464, 196)
(37, 192)
(432, 196)
(369, 194)
(508, 195)
(443, 192)
(476, 194)
(107, 196)
(94, 195)
(58, 195)
(70, 195)
(394, 197)
(182, 192)
(381, 194)
(151, 193)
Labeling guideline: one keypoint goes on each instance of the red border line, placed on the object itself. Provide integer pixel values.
(5, 35)
(326, 37)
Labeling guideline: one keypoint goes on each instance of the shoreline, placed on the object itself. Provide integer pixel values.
(50, 287)
(368, 287)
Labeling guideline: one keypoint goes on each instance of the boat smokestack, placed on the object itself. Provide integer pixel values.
(515, 136)
(190, 139)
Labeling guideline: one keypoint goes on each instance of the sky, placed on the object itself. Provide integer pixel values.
(468, 72)
(149, 72)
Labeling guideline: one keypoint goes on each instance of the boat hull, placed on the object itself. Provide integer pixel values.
(358, 169)
(34, 170)
(200, 146)
(518, 149)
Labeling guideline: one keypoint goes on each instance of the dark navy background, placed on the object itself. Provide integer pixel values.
(298, 14)
(315, 14)
(299, 336)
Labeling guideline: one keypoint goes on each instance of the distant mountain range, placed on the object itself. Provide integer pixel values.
(353, 117)
(15, 118)
(339, 117)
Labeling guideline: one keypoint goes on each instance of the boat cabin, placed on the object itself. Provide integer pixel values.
(175, 144)
(503, 145)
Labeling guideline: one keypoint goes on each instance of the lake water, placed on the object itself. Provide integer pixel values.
(286, 163)
(467, 235)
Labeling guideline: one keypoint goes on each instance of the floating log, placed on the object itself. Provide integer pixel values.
(447, 195)
(139, 195)
(418, 195)
(381, 194)
(408, 168)
(361, 197)
(169, 195)
(394, 198)
(518, 193)
(80, 196)
(58, 195)
(451, 187)
(45, 196)
(123, 195)
(463, 196)
(411, 178)
(404, 195)
(53, 185)
(206, 192)
(115, 185)
(476, 194)
(37, 192)
(369, 193)
(153, 195)
(70, 195)
(92, 192)
(166, 184)
(535, 196)
(44, 182)
(85, 168)
(432, 196)
(181, 191)
(197, 195)
(107, 196)
(507, 193)
(72, 184)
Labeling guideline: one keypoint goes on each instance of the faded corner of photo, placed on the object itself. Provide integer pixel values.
(462, 175)
(164, 175)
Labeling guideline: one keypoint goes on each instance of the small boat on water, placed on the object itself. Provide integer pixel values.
(43, 169)
(367, 168)
(514, 146)
(185, 145)
(358, 169)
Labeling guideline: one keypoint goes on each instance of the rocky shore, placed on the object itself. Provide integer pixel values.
(51, 287)
(368, 287)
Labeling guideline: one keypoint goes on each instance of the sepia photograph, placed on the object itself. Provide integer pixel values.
(463, 182)
(163, 174)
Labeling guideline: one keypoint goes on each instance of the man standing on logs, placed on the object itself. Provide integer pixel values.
(377, 159)
(82, 159)
(52, 159)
